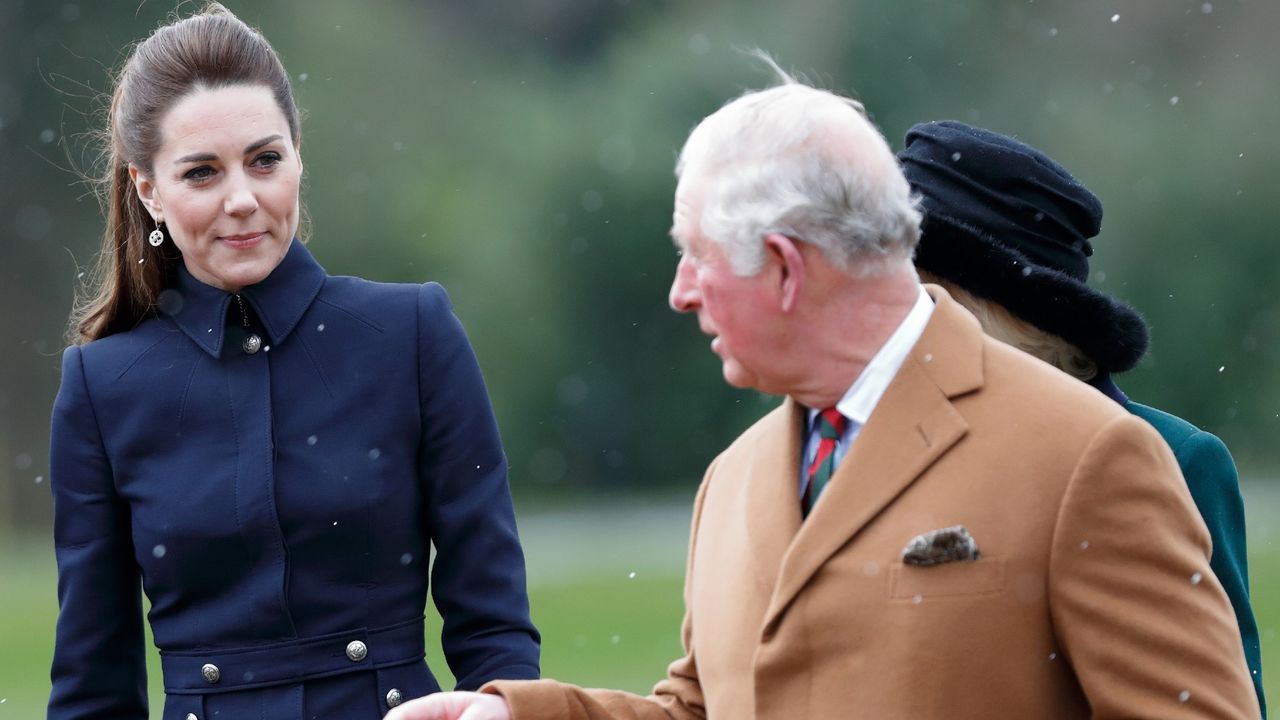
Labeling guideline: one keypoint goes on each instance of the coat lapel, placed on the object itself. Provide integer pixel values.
(773, 491)
(913, 425)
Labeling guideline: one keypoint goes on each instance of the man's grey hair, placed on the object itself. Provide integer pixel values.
(805, 163)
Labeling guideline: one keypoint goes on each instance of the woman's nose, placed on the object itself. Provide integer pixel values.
(240, 199)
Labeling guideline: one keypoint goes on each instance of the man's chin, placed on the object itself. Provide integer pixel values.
(737, 376)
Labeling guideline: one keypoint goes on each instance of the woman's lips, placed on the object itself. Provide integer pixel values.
(242, 241)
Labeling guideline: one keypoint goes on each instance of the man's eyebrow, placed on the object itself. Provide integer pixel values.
(206, 157)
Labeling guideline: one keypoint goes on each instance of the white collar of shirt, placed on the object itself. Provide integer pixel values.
(862, 397)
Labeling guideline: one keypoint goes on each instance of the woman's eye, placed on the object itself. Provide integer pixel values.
(267, 159)
(197, 174)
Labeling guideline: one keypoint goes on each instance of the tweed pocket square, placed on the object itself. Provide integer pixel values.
(949, 544)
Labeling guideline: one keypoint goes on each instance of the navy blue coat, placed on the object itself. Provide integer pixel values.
(279, 507)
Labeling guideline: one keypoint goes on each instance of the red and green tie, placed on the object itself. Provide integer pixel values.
(830, 425)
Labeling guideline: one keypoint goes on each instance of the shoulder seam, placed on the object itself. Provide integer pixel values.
(351, 313)
(88, 400)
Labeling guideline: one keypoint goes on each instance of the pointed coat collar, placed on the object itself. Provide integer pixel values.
(279, 301)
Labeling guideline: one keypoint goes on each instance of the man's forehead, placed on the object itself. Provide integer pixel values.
(684, 213)
(680, 235)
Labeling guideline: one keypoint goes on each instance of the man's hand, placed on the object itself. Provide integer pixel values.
(453, 706)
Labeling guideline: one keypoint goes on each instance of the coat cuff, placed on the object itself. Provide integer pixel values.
(530, 699)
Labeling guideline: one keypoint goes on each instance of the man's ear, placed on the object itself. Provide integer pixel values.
(146, 192)
(791, 266)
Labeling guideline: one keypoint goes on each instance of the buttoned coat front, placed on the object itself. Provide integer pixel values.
(1092, 596)
(279, 507)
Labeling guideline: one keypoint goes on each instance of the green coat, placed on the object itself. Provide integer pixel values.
(1215, 487)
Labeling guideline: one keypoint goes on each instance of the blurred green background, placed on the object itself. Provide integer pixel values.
(520, 152)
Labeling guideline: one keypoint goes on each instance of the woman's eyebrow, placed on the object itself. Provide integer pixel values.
(264, 141)
(206, 157)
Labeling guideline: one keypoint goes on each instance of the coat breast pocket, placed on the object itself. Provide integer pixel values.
(979, 577)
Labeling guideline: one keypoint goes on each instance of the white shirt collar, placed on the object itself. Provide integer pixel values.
(861, 397)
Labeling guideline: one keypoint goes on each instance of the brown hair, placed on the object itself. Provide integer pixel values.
(1006, 327)
(210, 49)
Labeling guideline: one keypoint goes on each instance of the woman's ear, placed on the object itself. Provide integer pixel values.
(146, 193)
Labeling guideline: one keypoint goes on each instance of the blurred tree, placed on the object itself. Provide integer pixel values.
(522, 155)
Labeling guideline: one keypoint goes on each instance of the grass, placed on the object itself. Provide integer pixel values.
(607, 632)
(605, 591)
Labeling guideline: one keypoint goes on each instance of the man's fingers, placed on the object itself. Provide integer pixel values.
(453, 706)
(428, 708)
(487, 707)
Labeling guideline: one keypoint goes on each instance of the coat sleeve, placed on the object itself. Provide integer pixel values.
(1215, 487)
(99, 669)
(478, 576)
(1140, 615)
(677, 697)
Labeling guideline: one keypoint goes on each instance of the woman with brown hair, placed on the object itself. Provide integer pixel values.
(271, 452)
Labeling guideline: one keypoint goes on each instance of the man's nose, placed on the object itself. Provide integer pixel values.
(684, 291)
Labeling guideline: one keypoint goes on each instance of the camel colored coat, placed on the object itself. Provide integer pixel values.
(1092, 597)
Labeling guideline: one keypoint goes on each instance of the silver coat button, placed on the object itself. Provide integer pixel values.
(252, 343)
(211, 673)
(192, 716)
(356, 651)
(394, 698)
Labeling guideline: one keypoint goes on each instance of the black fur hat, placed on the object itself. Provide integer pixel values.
(1008, 224)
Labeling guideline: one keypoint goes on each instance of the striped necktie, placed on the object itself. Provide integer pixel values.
(830, 425)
